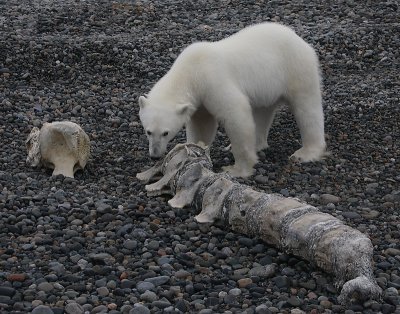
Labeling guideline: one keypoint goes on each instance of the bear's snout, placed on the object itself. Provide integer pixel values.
(155, 153)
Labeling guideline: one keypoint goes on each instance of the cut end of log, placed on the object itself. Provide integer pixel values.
(359, 288)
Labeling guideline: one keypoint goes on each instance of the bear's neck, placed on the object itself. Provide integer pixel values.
(175, 88)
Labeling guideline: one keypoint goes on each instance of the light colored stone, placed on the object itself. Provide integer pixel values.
(329, 198)
(244, 282)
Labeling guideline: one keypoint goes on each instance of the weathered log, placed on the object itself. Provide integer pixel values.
(287, 223)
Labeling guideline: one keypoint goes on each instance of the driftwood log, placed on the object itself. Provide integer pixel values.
(287, 223)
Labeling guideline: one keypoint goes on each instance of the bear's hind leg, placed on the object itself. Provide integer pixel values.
(202, 127)
(310, 119)
(263, 118)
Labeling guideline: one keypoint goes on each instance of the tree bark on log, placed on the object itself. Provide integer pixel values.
(287, 223)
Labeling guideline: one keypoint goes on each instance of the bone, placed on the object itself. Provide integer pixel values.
(62, 146)
(287, 223)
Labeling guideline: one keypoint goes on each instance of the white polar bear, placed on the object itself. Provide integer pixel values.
(238, 81)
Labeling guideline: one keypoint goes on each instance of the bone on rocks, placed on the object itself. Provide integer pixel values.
(287, 223)
(63, 146)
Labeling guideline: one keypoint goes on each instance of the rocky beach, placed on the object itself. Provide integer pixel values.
(97, 243)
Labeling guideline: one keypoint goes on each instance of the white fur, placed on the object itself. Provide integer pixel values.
(239, 81)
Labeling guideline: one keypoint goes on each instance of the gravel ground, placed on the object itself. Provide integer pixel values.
(98, 244)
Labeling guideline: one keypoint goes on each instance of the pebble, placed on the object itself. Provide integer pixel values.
(153, 245)
(45, 286)
(158, 281)
(142, 286)
(370, 214)
(7, 291)
(73, 308)
(139, 309)
(235, 292)
(103, 291)
(262, 309)
(294, 301)
(392, 252)
(130, 244)
(182, 274)
(329, 198)
(325, 304)
(244, 282)
(42, 309)
(17, 277)
(351, 215)
(263, 271)
(148, 296)
(99, 309)
(281, 281)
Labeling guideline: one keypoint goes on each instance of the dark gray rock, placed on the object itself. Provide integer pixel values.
(139, 309)
(7, 291)
(158, 281)
(42, 309)
(73, 308)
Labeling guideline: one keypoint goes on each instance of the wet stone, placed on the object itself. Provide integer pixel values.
(294, 301)
(42, 309)
(7, 291)
(310, 284)
(329, 198)
(281, 281)
(210, 302)
(351, 215)
(161, 304)
(144, 285)
(45, 286)
(73, 308)
(158, 281)
(139, 309)
(148, 296)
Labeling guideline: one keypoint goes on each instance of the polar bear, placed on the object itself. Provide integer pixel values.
(238, 81)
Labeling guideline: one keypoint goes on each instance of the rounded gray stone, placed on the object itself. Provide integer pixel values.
(139, 309)
(74, 308)
(42, 309)
(148, 296)
(142, 286)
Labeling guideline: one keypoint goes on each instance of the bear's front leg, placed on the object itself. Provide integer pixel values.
(201, 127)
(241, 130)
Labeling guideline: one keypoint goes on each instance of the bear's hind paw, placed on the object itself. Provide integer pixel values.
(308, 155)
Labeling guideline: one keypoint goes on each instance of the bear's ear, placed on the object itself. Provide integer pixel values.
(186, 109)
(142, 102)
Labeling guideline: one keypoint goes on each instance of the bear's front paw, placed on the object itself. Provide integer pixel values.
(236, 171)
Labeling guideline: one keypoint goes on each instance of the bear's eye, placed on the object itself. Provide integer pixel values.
(165, 133)
(148, 133)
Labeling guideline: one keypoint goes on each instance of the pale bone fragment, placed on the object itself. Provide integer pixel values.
(287, 223)
(62, 146)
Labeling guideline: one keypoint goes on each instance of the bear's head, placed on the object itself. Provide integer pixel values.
(161, 122)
